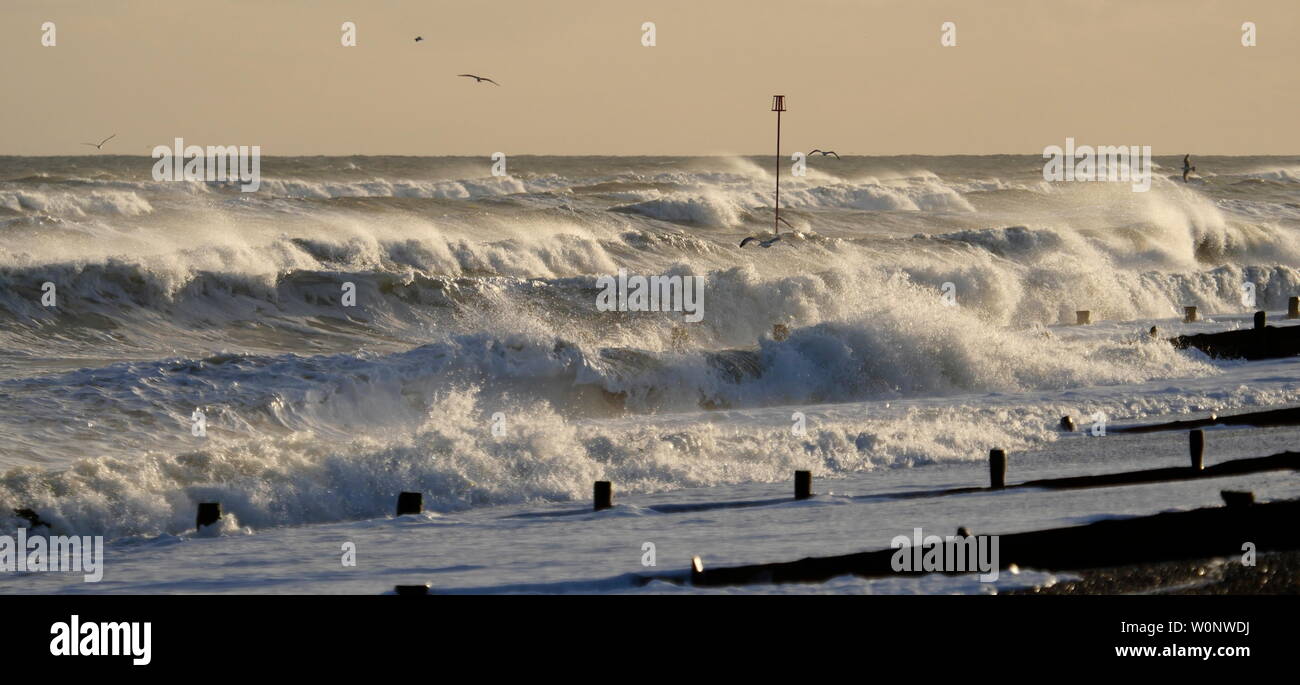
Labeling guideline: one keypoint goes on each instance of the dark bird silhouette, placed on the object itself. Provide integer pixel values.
(480, 79)
(761, 243)
(823, 154)
(100, 144)
(770, 241)
(419, 38)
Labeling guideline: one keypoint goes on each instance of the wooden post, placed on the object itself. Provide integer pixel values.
(412, 589)
(1196, 444)
(1189, 314)
(1261, 320)
(997, 469)
(209, 513)
(1082, 317)
(1293, 307)
(1237, 498)
(409, 503)
(802, 484)
(778, 106)
(603, 495)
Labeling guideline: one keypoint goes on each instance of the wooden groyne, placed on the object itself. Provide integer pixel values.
(1197, 534)
(1261, 342)
(1278, 462)
(604, 499)
(1284, 461)
(998, 461)
(1273, 417)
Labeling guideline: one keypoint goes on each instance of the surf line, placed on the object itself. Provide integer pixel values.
(1110, 163)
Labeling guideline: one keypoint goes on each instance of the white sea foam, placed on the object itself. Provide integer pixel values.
(476, 294)
(75, 204)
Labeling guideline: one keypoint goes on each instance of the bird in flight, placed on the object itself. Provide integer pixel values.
(419, 38)
(100, 144)
(480, 79)
(823, 154)
(770, 241)
(761, 243)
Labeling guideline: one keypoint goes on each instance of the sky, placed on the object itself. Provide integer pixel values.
(865, 77)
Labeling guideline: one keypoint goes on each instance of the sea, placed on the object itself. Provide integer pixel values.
(363, 326)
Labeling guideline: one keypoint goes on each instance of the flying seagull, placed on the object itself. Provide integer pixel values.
(419, 38)
(770, 241)
(823, 154)
(100, 144)
(761, 243)
(480, 79)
